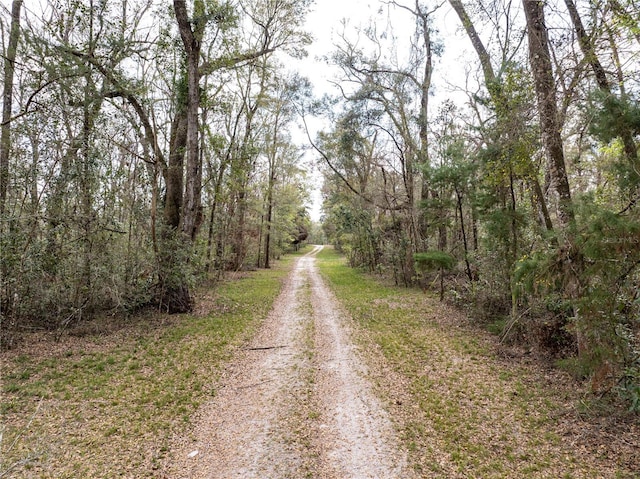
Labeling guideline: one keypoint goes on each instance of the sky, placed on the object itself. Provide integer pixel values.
(324, 22)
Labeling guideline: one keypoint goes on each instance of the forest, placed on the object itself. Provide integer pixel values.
(146, 147)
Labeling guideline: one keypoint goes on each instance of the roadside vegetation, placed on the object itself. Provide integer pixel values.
(106, 398)
(467, 406)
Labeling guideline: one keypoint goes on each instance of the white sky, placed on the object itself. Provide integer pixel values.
(325, 24)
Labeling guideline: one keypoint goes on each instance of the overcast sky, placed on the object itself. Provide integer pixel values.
(325, 24)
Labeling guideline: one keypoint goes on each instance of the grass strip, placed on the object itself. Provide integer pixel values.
(465, 412)
(108, 405)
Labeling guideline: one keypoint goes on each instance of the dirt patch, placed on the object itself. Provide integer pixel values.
(356, 431)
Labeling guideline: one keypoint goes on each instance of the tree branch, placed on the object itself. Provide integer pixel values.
(341, 176)
(209, 67)
(121, 91)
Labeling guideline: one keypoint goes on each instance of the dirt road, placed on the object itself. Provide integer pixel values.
(296, 402)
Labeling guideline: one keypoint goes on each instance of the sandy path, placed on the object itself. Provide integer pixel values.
(296, 402)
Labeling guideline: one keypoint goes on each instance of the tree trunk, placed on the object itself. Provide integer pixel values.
(465, 242)
(267, 236)
(86, 195)
(192, 208)
(7, 103)
(212, 216)
(174, 295)
(239, 245)
(272, 155)
(500, 102)
(540, 60)
(183, 210)
(192, 42)
(423, 120)
(485, 59)
(175, 170)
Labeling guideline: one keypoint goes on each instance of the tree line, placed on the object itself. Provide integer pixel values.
(145, 146)
(519, 202)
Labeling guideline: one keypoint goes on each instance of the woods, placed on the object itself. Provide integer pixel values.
(147, 147)
(131, 129)
(517, 203)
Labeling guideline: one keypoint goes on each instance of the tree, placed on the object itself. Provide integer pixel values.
(7, 102)
(277, 24)
(276, 145)
(394, 99)
(192, 34)
(613, 106)
(106, 193)
(542, 71)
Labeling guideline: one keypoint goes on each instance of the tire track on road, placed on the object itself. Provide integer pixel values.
(296, 402)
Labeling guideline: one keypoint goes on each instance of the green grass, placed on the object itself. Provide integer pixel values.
(92, 408)
(470, 414)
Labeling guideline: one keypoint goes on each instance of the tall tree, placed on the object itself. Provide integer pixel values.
(423, 79)
(7, 103)
(280, 111)
(615, 107)
(192, 33)
(542, 71)
(507, 118)
(396, 96)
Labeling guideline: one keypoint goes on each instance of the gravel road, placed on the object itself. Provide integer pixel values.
(296, 402)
